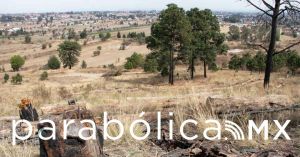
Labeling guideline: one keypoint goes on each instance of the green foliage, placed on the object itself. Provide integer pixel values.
(17, 62)
(99, 48)
(83, 34)
(168, 36)
(260, 61)
(279, 61)
(104, 37)
(235, 63)
(17, 79)
(245, 34)
(6, 77)
(44, 76)
(233, 18)
(234, 33)
(53, 63)
(119, 35)
(207, 40)
(213, 67)
(27, 39)
(244, 61)
(150, 65)
(83, 65)
(124, 36)
(101, 35)
(293, 62)
(69, 51)
(134, 61)
(96, 53)
(71, 34)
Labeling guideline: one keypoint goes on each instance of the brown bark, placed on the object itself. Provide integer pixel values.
(72, 146)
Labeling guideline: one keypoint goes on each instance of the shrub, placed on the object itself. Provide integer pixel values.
(6, 77)
(53, 63)
(17, 62)
(150, 65)
(17, 79)
(83, 34)
(260, 61)
(27, 39)
(44, 46)
(119, 35)
(213, 67)
(99, 48)
(96, 53)
(279, 61)
(293, 62)
(134, 61)
(235, 63)
(50, 45)
(83, 65)
(44, 76)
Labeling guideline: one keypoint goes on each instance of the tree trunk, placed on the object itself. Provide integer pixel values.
(204, 64)
(70, 67)
(272, 45)
(171, 71)
(192, 68)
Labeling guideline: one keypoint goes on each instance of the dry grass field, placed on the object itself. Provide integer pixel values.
(125, 96)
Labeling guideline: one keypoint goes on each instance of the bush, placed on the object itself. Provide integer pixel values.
(83, 65)
(44, 46)
(50, 45)
(27, 39)
(134, 61)
(6, 77)
(17, 79)
(235, 63)
(53, 63)
(213, 67)
(17, 62)
(119, 35)
(96, 53)
(99, 48)
(83, 34)
(150, 65)
(260, 61)
(293, 62)
(44, 76)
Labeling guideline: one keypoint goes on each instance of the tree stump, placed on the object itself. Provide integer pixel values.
(73, 146)
(27, 111)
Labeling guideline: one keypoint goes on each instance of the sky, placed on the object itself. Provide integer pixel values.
(35, 6)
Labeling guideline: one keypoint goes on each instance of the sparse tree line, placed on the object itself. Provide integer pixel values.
(186, 36)
(194, 35)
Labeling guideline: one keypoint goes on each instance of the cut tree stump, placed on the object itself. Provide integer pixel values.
(28, 113)
(73, 146)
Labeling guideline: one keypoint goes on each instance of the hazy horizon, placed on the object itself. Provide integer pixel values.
(38, 6)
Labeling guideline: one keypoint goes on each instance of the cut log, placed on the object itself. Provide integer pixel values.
(58, 109)
(73, 146)
(225, 105)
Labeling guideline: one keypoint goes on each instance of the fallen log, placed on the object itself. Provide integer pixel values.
(73, 146)
(226, 105)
